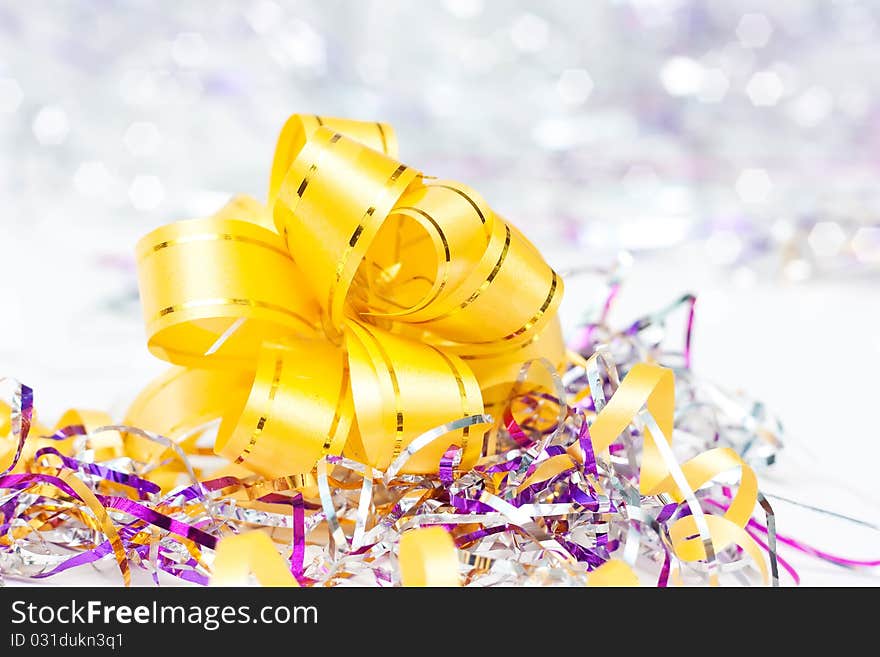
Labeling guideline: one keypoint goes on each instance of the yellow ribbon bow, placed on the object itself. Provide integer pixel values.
(363, 305)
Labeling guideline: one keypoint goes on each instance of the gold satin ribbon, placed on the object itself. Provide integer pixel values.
(362, 306)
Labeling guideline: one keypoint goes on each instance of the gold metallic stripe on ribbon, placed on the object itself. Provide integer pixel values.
(463, 394)
(273, 390)
(467, 194)
(214, 289)
(216, 237)
(251, 303)
(555, 283)
(428, 557)
(402, 389)
(354, 185)
(298, 410)
(384, 138)
(300, 127)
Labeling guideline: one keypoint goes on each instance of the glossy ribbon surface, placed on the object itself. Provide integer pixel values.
(362, 306)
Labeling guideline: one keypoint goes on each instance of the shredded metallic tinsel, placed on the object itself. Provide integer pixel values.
(344, 526)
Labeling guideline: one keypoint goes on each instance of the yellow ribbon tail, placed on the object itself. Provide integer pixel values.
(428, 557)
(613, 573)
(237, 557)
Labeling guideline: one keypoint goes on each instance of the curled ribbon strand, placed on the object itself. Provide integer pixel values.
(653, 388)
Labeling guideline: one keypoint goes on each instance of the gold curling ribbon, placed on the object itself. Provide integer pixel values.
(362, 306)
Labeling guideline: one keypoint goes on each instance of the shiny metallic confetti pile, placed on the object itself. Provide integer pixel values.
(516, 518)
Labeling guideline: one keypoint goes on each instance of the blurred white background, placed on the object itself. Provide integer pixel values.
(731, 147)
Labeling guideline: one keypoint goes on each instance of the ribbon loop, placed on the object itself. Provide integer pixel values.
(497, 371)
(403, 388)
(457, 224)
(333, 176)
(511, 284)
(298, 410)
(299, 127)
(213, 290)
